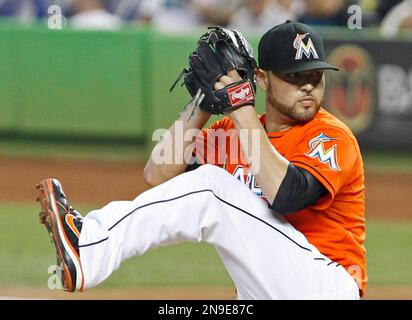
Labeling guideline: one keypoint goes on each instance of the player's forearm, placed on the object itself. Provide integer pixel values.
(267, 164)
(170, 155)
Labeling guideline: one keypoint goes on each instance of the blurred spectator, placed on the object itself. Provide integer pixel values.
(323, 12)
(384, 6)
(174, 16)
(184, 15)
(216, 12)
(91, 14)
(30, 10)
(24, 10)
(398, 19)
(133, 10)
(370, 16)
(258, 16)
(373, 11)
(248, 16)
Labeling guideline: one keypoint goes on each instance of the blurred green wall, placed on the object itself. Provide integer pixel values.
(67, 82)
(112, 86)
(83, 83)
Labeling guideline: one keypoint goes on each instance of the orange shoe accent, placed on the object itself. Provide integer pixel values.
(69, 220)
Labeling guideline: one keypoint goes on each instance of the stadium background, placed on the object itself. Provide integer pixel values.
(81, 105)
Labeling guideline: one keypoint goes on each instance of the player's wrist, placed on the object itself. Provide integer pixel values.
(244, 112)
(236, 95)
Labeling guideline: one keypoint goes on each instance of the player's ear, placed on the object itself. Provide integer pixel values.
(262, 79)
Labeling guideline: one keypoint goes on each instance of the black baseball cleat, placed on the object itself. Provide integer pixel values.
(64, 225)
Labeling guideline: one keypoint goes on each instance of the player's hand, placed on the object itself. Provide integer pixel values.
(231, 77)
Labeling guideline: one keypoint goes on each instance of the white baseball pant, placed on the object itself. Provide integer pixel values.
(266, 257)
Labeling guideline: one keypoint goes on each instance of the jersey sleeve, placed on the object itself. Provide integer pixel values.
(329, 154)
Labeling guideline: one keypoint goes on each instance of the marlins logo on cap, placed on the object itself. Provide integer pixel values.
(292, 47)
(302, 48)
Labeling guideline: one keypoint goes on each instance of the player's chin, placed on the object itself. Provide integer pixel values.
(305, 112)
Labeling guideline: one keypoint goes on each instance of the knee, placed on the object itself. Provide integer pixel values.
(212, 175)
(211, 171)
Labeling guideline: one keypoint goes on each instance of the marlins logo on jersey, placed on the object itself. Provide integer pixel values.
(317, 150)
(302, 48)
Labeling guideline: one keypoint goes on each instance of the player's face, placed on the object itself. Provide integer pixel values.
(297, 96)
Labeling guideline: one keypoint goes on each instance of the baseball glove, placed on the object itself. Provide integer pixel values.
(218, 51)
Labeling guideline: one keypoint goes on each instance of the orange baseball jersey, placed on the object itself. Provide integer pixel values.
(326, 148)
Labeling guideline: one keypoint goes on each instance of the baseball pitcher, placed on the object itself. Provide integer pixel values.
(286, 217)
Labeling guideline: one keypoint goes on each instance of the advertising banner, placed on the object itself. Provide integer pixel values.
(372, 93)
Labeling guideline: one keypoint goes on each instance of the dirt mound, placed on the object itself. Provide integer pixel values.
(97, 183)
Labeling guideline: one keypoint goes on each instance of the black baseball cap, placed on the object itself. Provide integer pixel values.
(292, 47)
